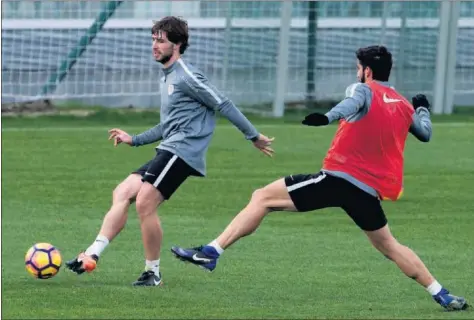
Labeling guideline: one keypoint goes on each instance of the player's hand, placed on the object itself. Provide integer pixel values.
(420, 100)
(120, 136)
(263, 144)
(315, 119)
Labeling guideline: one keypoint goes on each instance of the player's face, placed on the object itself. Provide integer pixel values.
(162, 47)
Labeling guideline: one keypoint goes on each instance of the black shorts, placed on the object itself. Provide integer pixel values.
(317, 191)
(166, 172)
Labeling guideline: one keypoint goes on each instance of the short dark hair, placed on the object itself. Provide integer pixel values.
(176, 30)
(377, 58)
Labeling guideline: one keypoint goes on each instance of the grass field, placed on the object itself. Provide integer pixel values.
(57, 184)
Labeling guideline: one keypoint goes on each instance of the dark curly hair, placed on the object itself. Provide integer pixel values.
(176, 30)
(377, 58)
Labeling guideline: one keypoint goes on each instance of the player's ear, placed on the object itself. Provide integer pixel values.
(177, 47)
(368, 72)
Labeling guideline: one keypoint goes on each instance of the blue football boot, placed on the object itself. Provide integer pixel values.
(203, 256)
(450, 302)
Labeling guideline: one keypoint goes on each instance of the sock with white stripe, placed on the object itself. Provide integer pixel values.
(98, 246)
(216, 246)
(153, 265)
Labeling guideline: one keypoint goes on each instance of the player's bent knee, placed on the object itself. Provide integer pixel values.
(128, 189)
(120, 192)
(262, 197)
(148, 199)
(258, 195)
(143, 207)
(268, 198)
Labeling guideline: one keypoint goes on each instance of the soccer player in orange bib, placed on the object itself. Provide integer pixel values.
(363, 166)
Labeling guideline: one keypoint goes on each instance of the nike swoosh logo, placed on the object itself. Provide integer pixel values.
(389, 100)
(196, 258)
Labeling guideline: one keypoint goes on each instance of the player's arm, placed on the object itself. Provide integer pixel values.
(149, 136)
(358, 98)
(421, 126)
(119, 136)
(199, 88)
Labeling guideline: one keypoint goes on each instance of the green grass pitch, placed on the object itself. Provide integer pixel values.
(57, 185)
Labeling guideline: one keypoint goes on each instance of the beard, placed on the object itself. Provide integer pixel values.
(164, 58)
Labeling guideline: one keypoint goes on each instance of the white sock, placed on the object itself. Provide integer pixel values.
(434, 288)
(216, 246)
(153, 265)
(98, 246)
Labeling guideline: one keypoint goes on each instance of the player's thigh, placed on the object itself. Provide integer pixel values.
(364, 209)
(274, 196)
(310, 192)
(166, 173)
(128, 188)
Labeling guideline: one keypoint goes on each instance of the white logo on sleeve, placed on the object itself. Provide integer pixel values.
(389, 100)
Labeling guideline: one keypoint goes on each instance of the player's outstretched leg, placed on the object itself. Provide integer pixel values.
(273, 197)
(148, 200)
(113, 223)
(409, 262)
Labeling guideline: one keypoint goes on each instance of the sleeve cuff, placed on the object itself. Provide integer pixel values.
(134, 141)
(330, 117)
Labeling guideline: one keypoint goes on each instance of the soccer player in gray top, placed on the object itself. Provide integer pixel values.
(187, 122)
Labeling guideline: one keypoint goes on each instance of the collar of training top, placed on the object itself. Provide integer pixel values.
(170, 69)
(383, 83)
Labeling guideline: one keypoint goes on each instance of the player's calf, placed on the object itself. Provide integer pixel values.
(269, 198)
(410, 264)
(404, 257)
(148, 200)
(114, 221)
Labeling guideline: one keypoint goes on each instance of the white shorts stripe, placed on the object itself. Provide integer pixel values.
(305, 183)
(165, 171)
